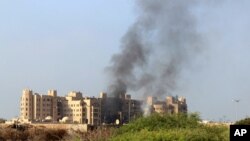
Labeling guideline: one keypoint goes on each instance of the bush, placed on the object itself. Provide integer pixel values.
(2, 120)
(197, 134)
(245, 121)
(179, 127)
(158, 122)
(32, 134)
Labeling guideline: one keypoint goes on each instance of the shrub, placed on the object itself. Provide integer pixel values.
(197, 134)
(158, 122)
(2, 120)
(245, 121)
(31, 134)
(179, 127)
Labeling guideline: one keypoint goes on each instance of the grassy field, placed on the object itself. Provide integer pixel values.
(152, 128)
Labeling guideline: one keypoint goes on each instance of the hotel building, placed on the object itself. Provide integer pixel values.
(75, 108)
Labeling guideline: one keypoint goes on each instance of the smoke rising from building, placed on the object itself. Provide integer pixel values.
(162, 42)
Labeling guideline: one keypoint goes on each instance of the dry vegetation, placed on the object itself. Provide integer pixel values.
(32, 134)
(44, 134)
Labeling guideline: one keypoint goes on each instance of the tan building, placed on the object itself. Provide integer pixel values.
(170, 105)
(121, 108)
(160, 107)
(38, 107)
(27, 105)
(93, 110)
(74, 108)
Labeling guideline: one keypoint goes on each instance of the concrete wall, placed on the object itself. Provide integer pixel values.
(80, 127)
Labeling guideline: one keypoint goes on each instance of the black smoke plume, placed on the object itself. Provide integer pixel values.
(162, 41)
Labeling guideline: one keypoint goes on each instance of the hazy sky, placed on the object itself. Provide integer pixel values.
(66, 45)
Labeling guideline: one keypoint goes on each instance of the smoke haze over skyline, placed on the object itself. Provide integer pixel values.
(194, 49)
(159, 45)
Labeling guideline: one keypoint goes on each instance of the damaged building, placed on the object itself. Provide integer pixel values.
(76, 108)
(171, 105)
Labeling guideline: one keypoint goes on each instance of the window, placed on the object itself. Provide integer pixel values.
(84, 110)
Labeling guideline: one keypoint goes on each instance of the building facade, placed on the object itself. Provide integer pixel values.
(122, 108)
(50, 107)
(74, 108)
(171, 105)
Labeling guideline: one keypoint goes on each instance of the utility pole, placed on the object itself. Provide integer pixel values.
(129, 110)
(236, 109)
